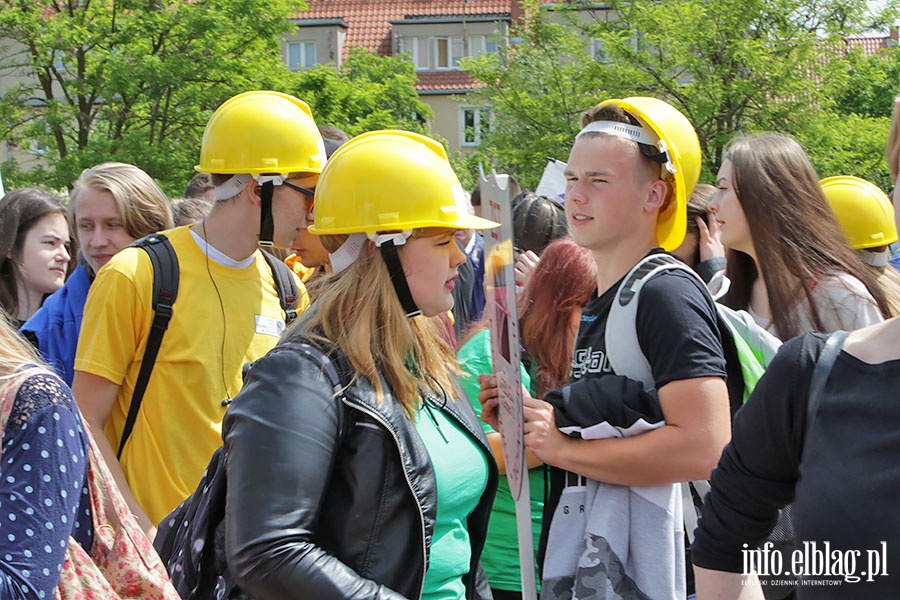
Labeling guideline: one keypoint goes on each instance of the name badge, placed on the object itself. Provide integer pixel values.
(269, 326)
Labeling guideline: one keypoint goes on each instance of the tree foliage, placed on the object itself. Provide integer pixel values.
(370, 93)
(729, 65)
(536, 89)
(132, 81)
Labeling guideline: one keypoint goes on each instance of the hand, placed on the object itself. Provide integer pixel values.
(489, 396)
(710, 244)
(541, 434)
(525, 266)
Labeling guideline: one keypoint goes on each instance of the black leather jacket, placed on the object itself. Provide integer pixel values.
(326, 505)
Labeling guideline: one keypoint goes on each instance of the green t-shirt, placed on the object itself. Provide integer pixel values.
(461, 471)
(501, 550)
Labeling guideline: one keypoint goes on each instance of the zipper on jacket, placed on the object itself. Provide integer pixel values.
(387, 425)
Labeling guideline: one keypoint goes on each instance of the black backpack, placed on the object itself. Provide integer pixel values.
(191, 539)
(165, 289)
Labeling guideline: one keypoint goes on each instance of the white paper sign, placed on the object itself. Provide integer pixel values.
(500, 294)
(553, 181)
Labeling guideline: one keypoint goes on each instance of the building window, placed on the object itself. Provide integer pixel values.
(632, 41)
(447, 52)
(417, 47)
(301, 55)
(39, 148)
(481, 44)
(598, 53)
(476, 122)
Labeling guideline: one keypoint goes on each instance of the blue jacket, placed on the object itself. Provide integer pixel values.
(57, 323)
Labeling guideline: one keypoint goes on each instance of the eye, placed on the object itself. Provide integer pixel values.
(114, 225)
(85, 227)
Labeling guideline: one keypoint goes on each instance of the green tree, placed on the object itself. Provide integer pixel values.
(729, 65)
(371, 92)
(132, 81)
(536, 89)
(850, 140)
(868, 84)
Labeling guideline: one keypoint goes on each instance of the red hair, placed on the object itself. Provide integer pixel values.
(562, 283)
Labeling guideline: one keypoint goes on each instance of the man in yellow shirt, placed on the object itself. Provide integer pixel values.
(265, 154)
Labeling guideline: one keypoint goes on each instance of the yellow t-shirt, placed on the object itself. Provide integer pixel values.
(198, 365)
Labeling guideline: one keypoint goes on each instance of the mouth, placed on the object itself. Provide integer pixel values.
(450, 284)
(578, 218)
(60, 270)
(101, 259)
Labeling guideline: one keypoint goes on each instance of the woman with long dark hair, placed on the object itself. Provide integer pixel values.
(34, 250)
(788, 261)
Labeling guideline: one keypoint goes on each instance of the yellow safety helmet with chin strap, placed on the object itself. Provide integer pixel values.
(390, 180)
(382, 185)
(263, 135)
(675, 137)
(863, 210)
(262, 132)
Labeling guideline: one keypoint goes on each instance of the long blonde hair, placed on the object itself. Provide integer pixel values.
(357, 310)
(14, 350)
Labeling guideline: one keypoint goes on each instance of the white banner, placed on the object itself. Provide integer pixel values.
(500, 294)
(553, 181)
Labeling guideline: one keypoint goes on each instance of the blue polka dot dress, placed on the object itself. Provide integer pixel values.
(43, 493)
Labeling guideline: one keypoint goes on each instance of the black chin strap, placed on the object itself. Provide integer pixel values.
(266, 224)
(392, 260)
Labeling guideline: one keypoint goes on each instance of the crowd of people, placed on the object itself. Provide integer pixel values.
(142, 333)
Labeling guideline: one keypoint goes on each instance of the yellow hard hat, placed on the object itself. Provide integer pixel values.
(678, 140)
(262, 132)
(390, 180)
(863, 210)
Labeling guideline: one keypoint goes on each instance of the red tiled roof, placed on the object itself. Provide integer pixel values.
(869, 45)
(369, 26)
(446, 81)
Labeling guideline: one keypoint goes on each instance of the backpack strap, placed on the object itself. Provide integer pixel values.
(692, 495)
(285, 285)
(622, 347)
(327, 363)
(820, 376)
(165, 291)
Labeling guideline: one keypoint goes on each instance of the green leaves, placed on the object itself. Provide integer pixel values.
(730, 65)
(132, 80)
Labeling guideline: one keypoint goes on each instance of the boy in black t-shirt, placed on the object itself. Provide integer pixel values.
(618, 448)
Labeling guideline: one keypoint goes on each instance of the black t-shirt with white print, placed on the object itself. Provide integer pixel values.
(678, 332)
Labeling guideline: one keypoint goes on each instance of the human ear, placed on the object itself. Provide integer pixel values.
(656, 196)
(254, 192)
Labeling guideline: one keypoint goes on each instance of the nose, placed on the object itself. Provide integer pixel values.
(573, 193)
(63, 255)
(714, 204)
(458, 256)
(98, 239)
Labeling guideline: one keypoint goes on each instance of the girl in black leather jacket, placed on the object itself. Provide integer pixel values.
(384, 489)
